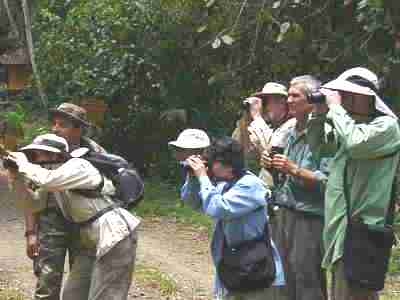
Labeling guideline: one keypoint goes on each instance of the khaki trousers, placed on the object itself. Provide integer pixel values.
(108, 278)
(298, 237)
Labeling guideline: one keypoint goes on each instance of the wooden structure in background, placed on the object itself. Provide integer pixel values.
(17, 68)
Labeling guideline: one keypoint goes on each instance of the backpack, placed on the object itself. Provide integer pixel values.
(126, 180)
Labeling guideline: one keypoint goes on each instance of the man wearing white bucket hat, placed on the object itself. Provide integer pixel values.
(364, 142)
(48, 226)
(107, 236)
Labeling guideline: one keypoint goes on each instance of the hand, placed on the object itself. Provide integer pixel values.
(197, 165)
(320, 108)
(283, 164)
(32, 246)
(18, 157)
(255, 107)
(255, 141)
(266, 160)
(332, 97)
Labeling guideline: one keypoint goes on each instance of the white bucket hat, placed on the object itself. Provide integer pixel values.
(360, 81)
(272, 88)
(48, 142)
(191, 139)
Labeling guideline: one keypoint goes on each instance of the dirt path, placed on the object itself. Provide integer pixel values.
(178, 252)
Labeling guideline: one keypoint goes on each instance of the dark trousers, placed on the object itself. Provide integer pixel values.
(342, 290)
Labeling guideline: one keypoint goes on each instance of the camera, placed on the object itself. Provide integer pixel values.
(276, 150)
(317, 97)
(246, 106)
(10, 164)
(276, 176)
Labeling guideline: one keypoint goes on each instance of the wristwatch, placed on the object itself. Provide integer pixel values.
(296, 171)
(30, 232)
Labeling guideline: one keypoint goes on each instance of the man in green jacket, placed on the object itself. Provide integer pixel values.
(363, 136)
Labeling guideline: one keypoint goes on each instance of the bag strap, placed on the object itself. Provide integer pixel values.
(97, 215)
(226, 188)
(389, 218)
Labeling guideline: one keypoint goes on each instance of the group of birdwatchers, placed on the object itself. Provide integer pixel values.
(322, 203)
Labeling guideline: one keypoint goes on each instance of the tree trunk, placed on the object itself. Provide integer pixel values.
(14, 28)
(29, 42)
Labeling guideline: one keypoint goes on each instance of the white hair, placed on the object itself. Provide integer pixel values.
(307, 83)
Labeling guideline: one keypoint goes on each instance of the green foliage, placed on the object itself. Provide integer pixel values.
(14, 118)
(201, 56)
(163, 200)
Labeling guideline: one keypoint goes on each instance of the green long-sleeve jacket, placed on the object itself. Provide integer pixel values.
(366, 148)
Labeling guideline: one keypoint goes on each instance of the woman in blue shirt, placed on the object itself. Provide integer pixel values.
(237, 203)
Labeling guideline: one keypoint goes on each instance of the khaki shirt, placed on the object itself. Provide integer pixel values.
(77, 173)
(265, 137)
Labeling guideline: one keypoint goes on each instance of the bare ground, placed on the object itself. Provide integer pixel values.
(177, 251)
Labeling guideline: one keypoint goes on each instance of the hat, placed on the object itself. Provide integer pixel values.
(191, 139)
(48, 142)
(72, 112)
(272, 88)
(363, 82)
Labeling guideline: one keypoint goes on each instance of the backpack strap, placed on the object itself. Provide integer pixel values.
(96, 216)
(92, 193)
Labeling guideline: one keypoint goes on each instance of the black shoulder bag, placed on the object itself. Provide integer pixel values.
(366, 250)
(248, 266)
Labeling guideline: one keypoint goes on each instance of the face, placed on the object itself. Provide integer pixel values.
(276, 108)
(356, 104)
(182, 154)
(221, 172)
(38, 156)
(65, 128)
(298, 103)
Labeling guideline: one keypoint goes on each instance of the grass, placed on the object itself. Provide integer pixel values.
(153, 277)
(8, 293)
(162, 199)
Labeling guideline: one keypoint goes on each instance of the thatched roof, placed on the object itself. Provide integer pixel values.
(15, 57)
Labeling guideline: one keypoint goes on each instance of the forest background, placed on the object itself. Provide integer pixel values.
(165, 65)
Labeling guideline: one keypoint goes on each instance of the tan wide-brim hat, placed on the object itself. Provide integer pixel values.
(272, 88)
(72, 112)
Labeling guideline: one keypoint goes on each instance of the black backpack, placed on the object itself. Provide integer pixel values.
(128, 183)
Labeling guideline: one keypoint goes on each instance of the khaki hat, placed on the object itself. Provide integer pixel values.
(48, 142)
(191, 139)
(72, 112)
(272, 88)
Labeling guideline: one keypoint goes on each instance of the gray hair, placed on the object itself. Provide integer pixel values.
(307, 83)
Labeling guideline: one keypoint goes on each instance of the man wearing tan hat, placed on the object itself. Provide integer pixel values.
(267, 130)
(364, 140)
(49, 235)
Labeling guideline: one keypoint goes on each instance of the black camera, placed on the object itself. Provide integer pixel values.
(10, 164)
(246, 106)
(276, 150)
(277, 177)
(317, 97)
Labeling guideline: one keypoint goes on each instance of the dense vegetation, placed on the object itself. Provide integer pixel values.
(163, 65)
